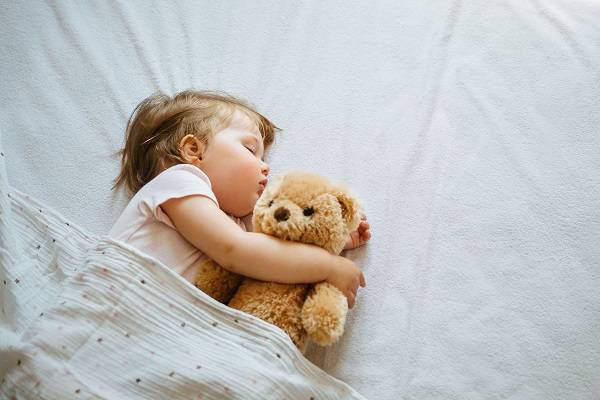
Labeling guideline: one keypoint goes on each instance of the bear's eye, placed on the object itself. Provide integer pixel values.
(270, 203)
(308, 211)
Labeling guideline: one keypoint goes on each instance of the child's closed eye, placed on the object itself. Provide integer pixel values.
(255, 152)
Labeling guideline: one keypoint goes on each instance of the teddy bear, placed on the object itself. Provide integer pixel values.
(302, 207)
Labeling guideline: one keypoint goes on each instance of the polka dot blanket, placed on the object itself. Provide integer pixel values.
(87, 317)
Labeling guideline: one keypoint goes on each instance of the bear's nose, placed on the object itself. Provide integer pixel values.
(282, 214)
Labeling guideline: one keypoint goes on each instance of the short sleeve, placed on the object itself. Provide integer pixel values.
(178, 181)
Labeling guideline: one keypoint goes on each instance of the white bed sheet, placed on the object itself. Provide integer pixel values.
(87, 317)
(470, 130)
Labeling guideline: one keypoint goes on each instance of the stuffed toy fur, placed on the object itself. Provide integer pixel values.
(301, 207)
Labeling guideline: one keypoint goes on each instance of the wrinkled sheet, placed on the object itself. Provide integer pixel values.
(85, 316)
(469, 129)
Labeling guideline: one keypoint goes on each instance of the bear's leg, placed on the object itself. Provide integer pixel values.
(324, 314)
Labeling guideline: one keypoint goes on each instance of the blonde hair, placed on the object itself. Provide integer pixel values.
(159, 122)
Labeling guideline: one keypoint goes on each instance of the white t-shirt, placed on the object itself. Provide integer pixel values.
(145, 226)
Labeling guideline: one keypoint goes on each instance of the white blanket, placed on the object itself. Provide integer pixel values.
(468, 128)
(86, 316)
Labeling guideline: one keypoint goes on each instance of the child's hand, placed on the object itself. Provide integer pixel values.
(360, 236)
(346, 276)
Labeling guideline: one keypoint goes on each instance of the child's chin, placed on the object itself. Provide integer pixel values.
(250, 207)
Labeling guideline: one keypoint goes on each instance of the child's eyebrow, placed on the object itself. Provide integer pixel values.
(256, 139)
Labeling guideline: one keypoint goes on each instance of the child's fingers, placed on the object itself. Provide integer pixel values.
(351, 300)
(364, 232)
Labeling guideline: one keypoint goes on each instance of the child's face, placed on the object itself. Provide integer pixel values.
(233, 161)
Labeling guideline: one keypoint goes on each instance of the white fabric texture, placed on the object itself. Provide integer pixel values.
(88, 317)
(468, 129)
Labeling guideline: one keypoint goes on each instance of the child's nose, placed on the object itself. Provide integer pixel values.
(265, 169)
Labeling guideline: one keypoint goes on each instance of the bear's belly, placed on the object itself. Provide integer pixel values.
(278, 304)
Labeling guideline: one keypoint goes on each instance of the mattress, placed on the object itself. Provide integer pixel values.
(468, 129)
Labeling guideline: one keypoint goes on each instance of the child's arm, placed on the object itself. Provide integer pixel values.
(256, 255)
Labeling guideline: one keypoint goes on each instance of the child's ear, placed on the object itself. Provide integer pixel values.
(191, 148)
(350, 209)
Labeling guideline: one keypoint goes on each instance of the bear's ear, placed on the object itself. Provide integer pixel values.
(350, 209)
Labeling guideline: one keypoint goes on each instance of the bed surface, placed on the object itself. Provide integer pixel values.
(470, 131)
